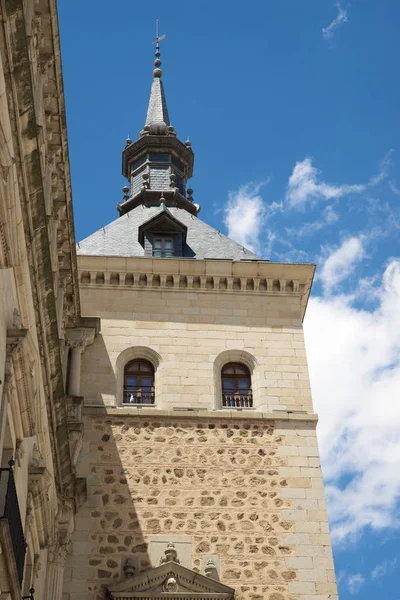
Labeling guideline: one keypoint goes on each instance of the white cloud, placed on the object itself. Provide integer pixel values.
(341, 262)
(355, 583)
(303, 186)
(341, 19)
(354, 361)
(244, 215)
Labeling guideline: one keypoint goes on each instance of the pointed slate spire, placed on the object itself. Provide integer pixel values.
(157, 120)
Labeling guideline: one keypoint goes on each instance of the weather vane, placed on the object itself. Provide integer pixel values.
(158, 37)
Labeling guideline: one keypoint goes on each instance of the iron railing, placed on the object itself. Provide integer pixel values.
(139, 395)
(237, 399)
(9, 510)
(31, 595)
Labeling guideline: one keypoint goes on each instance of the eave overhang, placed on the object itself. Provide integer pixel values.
(152, 198)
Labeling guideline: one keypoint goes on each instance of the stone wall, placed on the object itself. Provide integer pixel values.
(242, 487)
(192, 334)
(247, 491)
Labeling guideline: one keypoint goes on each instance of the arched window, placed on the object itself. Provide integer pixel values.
(139, 382)
(236, 386)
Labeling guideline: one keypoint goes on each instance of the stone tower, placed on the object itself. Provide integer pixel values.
(199, 446)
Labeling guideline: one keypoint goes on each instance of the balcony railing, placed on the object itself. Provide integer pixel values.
(237, 399)
(9, 511)
(139, 395)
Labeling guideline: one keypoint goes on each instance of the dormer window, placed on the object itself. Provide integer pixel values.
(163, 247)
(163, 236)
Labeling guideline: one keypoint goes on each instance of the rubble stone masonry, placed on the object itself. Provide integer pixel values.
(247, 490)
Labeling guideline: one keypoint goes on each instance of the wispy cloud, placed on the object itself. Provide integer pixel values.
(338, 21)
(384, 568)
(394, 188)
(304, 186)
(384, 169)
(329, 216)
(341, 262)
(271, 237)
(355, 583)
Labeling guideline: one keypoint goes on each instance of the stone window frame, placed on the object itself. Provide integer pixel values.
(235, 356)
(127, 356)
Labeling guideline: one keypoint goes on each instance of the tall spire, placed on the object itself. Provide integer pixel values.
(158, 162)
(157, 120)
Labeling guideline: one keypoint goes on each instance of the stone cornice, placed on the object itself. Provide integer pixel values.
(179, 275)
(283, 416)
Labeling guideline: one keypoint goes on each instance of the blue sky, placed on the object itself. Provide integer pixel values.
(293, 112)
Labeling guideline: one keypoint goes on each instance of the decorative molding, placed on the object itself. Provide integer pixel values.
(199, 283)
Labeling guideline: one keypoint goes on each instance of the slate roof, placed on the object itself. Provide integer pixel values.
(157, 111)
(120, 238)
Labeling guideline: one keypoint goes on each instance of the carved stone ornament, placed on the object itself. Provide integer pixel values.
(170, 555)
(170, 580)
(170, 585)
(16, 321)
(37, 459)
(57, 553)
(130, 568)
(211, 569)
(36, 565)
(19, 450)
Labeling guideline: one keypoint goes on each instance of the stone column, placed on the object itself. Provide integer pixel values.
(74, 386)
(65, 361)
(55, 571)
(60, 306)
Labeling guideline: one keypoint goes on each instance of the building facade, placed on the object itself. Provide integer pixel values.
(157, 429)
(39, 307)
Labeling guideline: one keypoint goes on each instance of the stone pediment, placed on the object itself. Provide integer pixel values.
(170, 580)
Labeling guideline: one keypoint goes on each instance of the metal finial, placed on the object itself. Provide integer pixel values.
(159, 38)
(157, 63)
